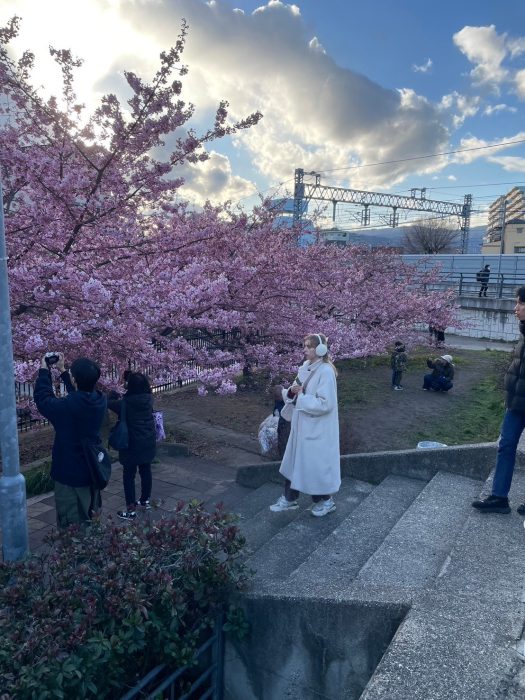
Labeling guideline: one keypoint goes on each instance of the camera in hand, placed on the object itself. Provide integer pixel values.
(51, 358)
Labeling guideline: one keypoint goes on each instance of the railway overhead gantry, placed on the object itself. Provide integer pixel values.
(305, 191)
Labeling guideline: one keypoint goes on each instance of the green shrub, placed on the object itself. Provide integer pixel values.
(102, 608)
(38, 480)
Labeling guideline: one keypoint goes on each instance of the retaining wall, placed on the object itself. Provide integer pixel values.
(474, 461)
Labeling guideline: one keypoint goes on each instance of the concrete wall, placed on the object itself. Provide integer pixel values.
(474, 461)
(306, 649)
(488, 318)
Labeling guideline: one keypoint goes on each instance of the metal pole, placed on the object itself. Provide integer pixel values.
(502, 241)
(12, 484)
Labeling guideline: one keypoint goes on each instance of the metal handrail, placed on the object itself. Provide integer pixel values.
(500, 286)
(212, 674)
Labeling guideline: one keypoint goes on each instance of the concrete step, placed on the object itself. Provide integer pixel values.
(436, 656)
(229, 494)
(342, 554)
(258, 500)
(293, 543)
(487, 559)
(417, 546)
(469, 620)
(260, 524)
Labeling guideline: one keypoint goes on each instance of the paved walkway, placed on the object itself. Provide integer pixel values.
(464, 342)
(174, 479)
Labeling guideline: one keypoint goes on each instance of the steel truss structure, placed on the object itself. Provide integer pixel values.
(305, 191)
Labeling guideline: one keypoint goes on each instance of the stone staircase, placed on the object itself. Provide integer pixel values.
(403, 593)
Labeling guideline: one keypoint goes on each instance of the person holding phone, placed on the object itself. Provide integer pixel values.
(311, 462)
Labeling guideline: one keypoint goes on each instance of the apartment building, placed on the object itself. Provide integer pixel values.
(506, 224)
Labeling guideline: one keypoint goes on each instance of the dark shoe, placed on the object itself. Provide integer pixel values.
(127, 514)
(144, 504)
(492, 504)
(521, 509)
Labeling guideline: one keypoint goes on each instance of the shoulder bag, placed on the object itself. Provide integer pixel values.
(288, 409)
(158, 418)
(99, 463)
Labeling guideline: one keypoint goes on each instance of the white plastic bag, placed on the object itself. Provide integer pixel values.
(268, 437)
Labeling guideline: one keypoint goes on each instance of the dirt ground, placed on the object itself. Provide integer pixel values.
(372, 416)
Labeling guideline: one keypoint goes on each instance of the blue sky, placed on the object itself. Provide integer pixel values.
(342, 85)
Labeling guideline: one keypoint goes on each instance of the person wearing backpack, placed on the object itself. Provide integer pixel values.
(75, 417)
(483, 276)
(138, 414)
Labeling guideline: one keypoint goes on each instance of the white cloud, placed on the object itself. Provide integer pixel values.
(512, 164)
(452, 178)
(496, 109)
(315, 45)
(520, 83)
(492, 54)
(316, 114)
(484, 148)
(213, 180)
(64, 24)
(487, 49)
(423, 68)
(460, 107)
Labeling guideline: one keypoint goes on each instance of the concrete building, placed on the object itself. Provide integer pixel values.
(506, 224)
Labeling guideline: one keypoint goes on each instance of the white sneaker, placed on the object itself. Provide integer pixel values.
(323, 507)
(283, 504)
(398, 388)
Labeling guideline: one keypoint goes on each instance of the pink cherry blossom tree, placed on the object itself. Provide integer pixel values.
(103, 263)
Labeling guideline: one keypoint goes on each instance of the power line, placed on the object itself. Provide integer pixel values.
(471, 187)
(430, 155)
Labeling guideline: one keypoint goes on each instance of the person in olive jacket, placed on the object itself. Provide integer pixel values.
(513, 423)
(142, 441)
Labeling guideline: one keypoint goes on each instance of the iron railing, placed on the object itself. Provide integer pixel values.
(223, 340)
(499, 286)
(202, 680)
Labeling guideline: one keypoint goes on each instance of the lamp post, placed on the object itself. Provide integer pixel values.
(13, 506)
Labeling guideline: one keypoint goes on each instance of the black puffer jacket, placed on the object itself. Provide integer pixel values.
(515, 376)
(141, 428)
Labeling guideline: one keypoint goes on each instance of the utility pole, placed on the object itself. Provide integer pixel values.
(502, 241)
(13, 505)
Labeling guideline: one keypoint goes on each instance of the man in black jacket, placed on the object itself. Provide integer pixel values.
(76, 416)
(483, 276)
(513, 423)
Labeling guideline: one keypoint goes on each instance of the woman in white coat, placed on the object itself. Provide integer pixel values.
(311, 462)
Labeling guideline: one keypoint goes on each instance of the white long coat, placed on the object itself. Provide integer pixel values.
(312, 458)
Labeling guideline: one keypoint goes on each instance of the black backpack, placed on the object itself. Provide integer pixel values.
(479, 275)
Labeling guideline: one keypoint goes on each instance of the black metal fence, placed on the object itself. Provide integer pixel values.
(200, 340)
(198, 681)
(499, 285)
